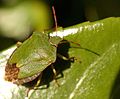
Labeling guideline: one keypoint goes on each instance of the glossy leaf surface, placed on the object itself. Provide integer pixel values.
(95, 74)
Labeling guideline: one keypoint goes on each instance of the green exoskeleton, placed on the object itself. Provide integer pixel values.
(32, 57)
(29, 60)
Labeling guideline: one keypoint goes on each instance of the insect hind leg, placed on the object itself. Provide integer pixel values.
(55, 74)
(36, 85)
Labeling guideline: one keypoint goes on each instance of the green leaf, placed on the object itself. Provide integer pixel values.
(95, 74)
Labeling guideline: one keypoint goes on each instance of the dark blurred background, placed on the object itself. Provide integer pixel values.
(19, 18)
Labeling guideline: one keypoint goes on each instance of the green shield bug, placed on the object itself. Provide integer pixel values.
(31, 58)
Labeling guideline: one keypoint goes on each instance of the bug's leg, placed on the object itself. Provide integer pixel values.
(72, 59)
(55, 74)
(36, 85)
(38, 82)
(19, 44)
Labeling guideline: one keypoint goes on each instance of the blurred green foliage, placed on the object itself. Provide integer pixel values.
(20, 18)
(68, 13)
(96, 72)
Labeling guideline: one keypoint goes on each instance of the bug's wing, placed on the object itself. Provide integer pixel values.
(34, 55)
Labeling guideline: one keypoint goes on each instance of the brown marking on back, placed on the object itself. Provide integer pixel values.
(11, 72)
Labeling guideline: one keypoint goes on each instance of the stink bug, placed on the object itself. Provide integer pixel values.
(31, 58)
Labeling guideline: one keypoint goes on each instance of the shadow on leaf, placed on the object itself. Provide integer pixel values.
(115, 92)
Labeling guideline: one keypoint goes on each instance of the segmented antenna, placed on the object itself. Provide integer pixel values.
(55, 19)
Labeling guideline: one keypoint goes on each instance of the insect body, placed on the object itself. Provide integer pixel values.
(31, 58)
